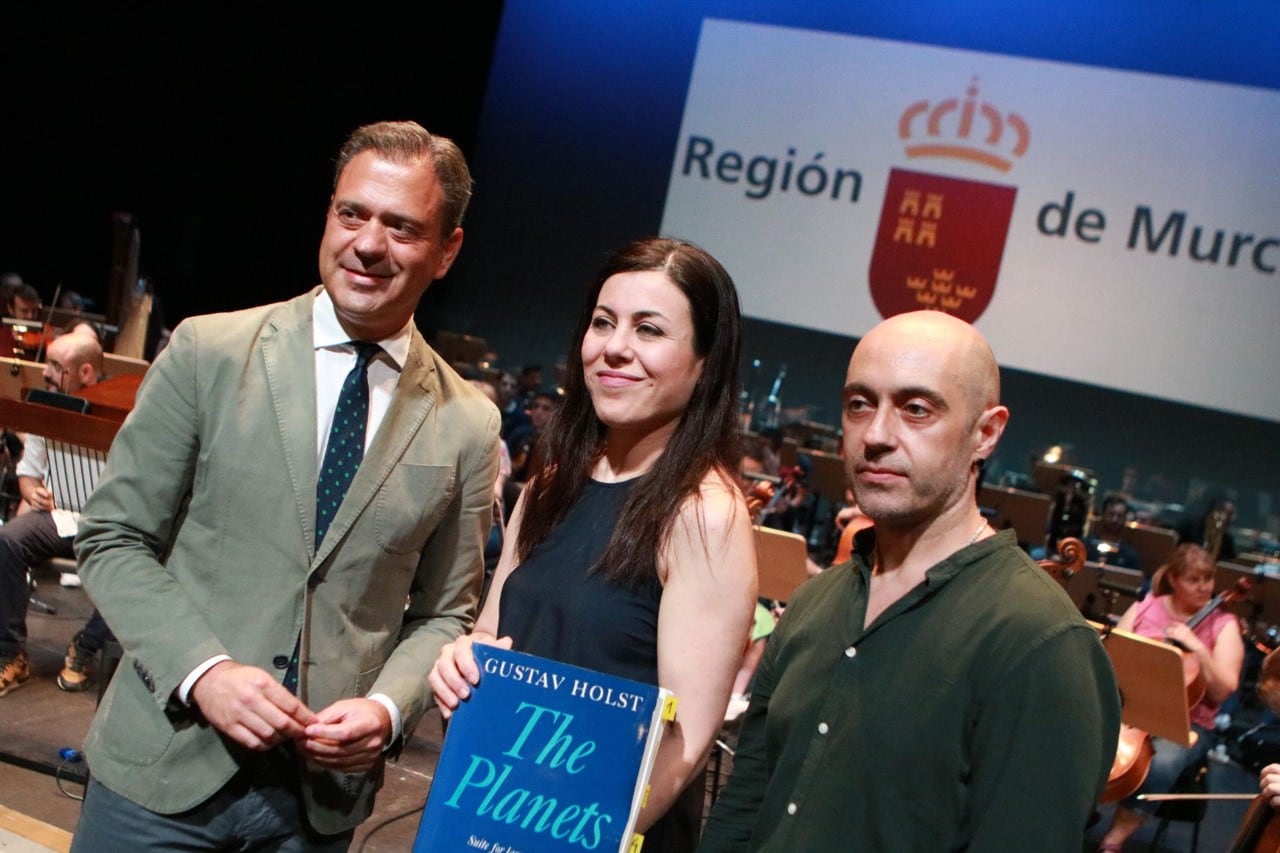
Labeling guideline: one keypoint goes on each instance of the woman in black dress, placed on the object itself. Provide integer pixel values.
(631, 551)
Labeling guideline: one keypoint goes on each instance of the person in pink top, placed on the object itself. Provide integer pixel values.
(1181, 589)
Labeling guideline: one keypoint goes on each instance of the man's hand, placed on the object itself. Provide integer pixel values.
(249, 706)
(348, 736)
(39, 497)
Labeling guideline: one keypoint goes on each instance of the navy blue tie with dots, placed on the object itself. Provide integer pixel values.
(342, 457)
(346, 440)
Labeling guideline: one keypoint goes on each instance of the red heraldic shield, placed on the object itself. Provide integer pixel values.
(939, 244)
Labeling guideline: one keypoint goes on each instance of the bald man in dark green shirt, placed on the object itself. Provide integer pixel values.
(940, 691)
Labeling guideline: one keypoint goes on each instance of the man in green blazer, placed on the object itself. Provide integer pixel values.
(199, 545)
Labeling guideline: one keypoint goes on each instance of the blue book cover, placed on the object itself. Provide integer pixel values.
(544, 756)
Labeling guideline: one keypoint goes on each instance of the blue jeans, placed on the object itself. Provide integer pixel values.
(94, 634)
(260, 809)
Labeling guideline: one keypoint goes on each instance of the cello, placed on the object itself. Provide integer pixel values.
(1134, 748)
(1192, 677)
(1259, 832)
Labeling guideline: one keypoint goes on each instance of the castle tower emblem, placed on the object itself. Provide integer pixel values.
(941, 239)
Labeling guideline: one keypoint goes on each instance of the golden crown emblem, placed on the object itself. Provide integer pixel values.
(955, 128)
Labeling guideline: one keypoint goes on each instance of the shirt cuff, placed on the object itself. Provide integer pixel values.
(184, 689)
(385, 701)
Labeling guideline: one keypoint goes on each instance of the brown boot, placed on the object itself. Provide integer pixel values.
(75, 667)
(14, 672)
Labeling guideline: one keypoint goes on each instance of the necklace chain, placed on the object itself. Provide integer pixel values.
(875, 558)
(976, 533)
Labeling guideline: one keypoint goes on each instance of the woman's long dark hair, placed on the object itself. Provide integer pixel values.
(706, 437)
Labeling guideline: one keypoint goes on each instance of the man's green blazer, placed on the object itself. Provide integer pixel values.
(198, 541)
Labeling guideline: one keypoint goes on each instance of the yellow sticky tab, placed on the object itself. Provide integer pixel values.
(637, 841)
(669, 709)
(644, 798)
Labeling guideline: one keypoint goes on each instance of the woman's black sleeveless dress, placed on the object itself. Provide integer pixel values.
(553, 606)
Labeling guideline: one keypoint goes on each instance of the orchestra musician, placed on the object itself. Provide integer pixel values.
(1181, 589)
(50, 515)
(21, 301)
(1269, 692)
(1105, 541)
(1259, 832)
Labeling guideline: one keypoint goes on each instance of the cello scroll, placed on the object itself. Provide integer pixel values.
(1069, 560)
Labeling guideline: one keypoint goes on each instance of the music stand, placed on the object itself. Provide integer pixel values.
(1154, 544)
(1153, 693)
(826, 475)
(58, 400)
(1097, 589)
(781, 562)
(1262, 605)
(1026, 512)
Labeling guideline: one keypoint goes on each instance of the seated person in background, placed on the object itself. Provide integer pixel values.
(762, 626)
(1209, 526)
(24, 303)
(1181, 588)
(530, 383)
(791, 507)
(86, 328)
(493, 547)
(523, 442)
(77, 664)
(47, 528)
(21, 302)
(71, 300)
(771, 450)
(757, 492)
(850, 520)
(753, 471)
(510, 404)
(1269, 693)
(1105, 541)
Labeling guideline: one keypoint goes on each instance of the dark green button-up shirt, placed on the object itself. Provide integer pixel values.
(979, 712)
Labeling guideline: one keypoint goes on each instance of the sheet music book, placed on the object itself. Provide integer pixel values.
(544, 756)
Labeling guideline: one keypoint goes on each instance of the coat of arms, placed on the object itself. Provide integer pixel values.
(941, 239)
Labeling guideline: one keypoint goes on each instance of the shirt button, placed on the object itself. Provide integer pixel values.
(823, 728)
(280, 661)
(791, 808)
(850, 652)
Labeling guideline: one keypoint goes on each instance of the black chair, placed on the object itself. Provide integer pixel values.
(1193, 780)
(34, 600)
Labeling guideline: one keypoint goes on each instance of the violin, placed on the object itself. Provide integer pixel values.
(35, 337)
(759, 498)
(765, 497)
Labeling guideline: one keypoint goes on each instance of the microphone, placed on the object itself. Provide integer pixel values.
(747, 399)
(774, 400)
